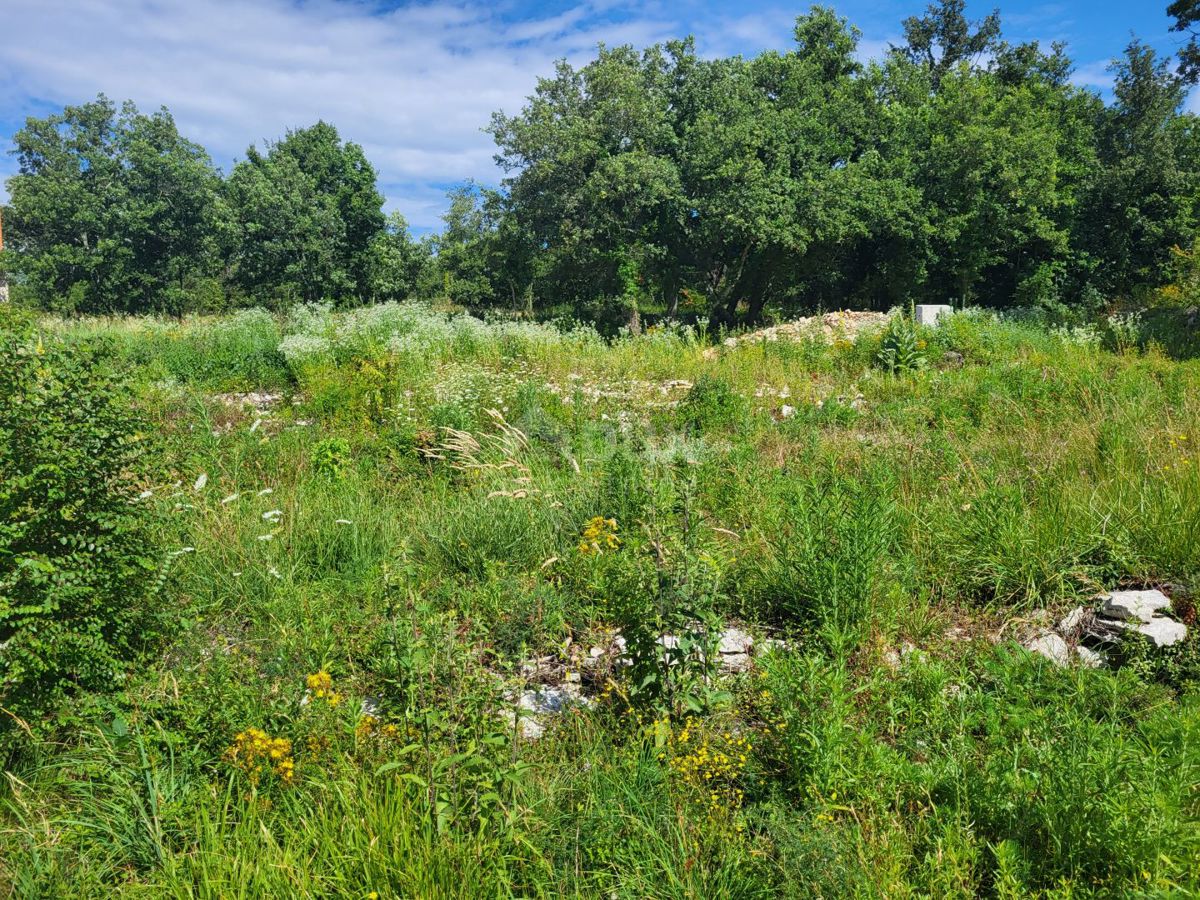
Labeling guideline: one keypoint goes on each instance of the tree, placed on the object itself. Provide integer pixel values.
(1144, 195)
(1187, 19)
(398, 264)
(944, 37)
(307, 213)
(112, 211)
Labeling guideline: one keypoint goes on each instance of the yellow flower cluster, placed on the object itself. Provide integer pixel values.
(254, 752)
(710, 763)
(370, 727)
(321, 686)
(599, 534)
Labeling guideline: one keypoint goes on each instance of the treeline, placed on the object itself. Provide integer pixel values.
(960, 168)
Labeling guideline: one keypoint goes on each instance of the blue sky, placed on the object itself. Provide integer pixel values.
(415, 83)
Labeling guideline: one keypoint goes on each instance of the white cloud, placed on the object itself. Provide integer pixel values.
(414, 85)
(1095, 75)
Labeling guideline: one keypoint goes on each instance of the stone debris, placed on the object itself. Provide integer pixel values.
(1052, 646)
(533, 705)
(556, 683)
(1089, 634)
(1161, 631)
(1091, 659)
(260, 401)
(846, 325)
(1131, 605)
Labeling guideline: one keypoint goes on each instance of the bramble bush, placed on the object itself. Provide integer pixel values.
(77, 565)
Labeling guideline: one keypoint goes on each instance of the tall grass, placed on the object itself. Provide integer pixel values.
(896, 529)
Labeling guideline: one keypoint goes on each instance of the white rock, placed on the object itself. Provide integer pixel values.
(786, 412)
(1135, 605)
(735, 662)
(1091, 659)
(1072, 620)
(1051, 646)
(551, 699)
(1162, 631)
(734, 640)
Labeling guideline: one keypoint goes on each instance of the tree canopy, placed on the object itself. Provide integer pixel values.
(957, 168)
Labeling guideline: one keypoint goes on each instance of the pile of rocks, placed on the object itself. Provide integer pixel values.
(1090, 634)
(557, 684)
(829, 327)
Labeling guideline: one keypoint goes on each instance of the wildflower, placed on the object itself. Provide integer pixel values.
(230, 499)
(266, 537)
(320, 685)
(255, 753)
(272, 515)
(599, 534)
(200, 482)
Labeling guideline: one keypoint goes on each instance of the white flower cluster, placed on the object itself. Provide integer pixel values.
(316, 333)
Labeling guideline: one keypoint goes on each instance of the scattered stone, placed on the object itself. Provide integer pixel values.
(534, 704)
(829, 327)
(1091, 659)
(1161, 631)
(786, 412)
(1051, 646)
(1135, 605)
(734, 640)
(370, 706)
(1073, 621)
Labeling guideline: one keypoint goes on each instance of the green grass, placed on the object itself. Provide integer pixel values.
(933, 510)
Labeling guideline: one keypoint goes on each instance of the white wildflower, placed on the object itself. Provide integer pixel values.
(200, 482)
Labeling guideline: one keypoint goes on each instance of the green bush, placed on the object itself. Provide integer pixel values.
(330, 457)
(77, 564)
(711, 403)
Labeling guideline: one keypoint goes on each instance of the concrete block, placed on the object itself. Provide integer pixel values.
(929, 313)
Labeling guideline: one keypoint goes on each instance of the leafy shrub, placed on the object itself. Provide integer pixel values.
(330, 457)
(76, 560)
(711, 403)
(902, 349)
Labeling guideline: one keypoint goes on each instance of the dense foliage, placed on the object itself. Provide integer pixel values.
(959, 168)
(78, 565)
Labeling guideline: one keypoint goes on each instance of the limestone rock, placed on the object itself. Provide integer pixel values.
(1135, 605)
(1051, 646)
(1161, 631)
(1091, 659)
(734, 640)
(1073, 621)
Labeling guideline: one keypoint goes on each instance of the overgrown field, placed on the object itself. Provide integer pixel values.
(350, 576)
